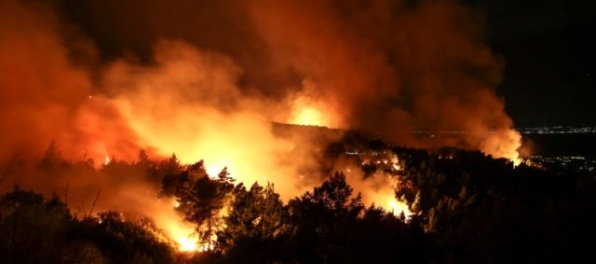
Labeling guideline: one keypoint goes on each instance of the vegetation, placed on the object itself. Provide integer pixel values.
(469, 208)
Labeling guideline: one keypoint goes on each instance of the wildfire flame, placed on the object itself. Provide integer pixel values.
(194, 102)
(184, 237)
(308, 110)
(383, 194)
(308, 116)
(182, 233)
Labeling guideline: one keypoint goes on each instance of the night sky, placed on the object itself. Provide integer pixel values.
(550, 53)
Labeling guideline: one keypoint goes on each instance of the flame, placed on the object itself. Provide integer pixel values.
(308, 116)
(380, 188)
(173, 228)
(191, 103)
(182, 233)
(503, 143)
(384, 196)
(185, 238)
(398, 207)
(306, 109)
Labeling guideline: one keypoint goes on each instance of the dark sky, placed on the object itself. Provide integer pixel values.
(550, 52)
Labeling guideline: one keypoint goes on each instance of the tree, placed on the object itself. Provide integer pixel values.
(36, 230)
(201, 199)
(320, 220)
(52, 158)
(256, 223)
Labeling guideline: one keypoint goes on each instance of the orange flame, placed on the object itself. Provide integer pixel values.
(307, 109)
(175, 228)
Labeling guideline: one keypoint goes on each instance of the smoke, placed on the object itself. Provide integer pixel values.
(205, 79)
(40, 91)
(43, 95)
(389, 67)
(189, 103)
(384, 66)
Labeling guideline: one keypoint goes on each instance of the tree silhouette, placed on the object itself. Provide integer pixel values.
(200, 198)
(255, 226)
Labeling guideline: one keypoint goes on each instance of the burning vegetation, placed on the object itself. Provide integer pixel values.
(259, 100)
(380, 202)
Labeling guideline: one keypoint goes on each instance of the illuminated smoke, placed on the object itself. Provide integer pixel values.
(308, 109)
(39, 89)
(391, 67)
(189, 104)
(386, 67)
(379, 188)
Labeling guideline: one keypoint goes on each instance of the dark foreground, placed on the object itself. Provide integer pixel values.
(468, 209)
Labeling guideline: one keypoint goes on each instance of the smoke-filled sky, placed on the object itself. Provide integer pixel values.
(111, 76)
(545, 46)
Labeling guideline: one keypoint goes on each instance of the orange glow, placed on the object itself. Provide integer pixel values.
(207, 127)
(504, 143)
(177, 230)
(201, 105)
(308, 110)
(310, 113)
(397, 207)
(382, 194)
(182, 233)
(308, 116)
(378, 189)
(184, 237)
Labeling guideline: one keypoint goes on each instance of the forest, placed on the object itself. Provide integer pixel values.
(465, 207)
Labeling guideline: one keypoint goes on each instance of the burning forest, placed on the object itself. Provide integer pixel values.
(178, 131)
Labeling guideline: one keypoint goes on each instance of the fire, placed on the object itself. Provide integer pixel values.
(398, 207)
(504, 143)
(187, 242)
(379, 189)
(195, 103)
(307, 109)
(384, 196)
(173, 228)
(309, 116)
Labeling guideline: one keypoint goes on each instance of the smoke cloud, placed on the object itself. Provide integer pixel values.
(205, 79)
(388, 67)
(385, 66)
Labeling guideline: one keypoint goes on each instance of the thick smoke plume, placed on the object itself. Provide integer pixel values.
(389, 67)
(385, 66)
(205, 80)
